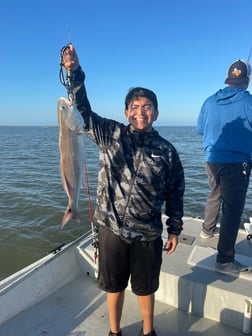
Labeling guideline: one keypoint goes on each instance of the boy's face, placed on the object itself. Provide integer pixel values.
(141, 114)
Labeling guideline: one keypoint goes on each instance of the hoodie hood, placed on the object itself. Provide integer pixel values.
(230, 95)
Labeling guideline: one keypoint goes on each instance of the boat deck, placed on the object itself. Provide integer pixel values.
(66, 313)
(193, 298)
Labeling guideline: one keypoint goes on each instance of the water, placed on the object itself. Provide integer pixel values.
(32, 199)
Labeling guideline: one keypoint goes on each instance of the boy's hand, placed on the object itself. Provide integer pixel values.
(171, 244)
(70, 59)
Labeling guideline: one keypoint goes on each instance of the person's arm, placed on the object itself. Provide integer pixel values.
(80, 96)
(97, 127)
(71, 63)
(174, 203)
(200, 121)
(92, 121)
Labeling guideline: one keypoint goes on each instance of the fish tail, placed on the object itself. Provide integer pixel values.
(70, 214)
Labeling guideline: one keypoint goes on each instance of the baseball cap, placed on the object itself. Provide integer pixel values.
(238, 73)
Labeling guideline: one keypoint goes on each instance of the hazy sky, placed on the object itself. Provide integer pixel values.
(181, 49)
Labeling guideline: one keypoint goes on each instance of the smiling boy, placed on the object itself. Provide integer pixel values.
(139, 171)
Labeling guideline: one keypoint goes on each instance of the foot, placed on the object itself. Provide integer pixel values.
(211, 234)
(115, 334)
(152, 333)
(231, 267)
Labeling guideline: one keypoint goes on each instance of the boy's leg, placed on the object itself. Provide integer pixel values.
(113, 274)
(146, 263)
(115, 306)
(146, 304)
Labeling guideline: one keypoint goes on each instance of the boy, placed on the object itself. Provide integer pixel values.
(139, 171)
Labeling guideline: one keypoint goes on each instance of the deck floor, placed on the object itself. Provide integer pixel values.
(66, 313)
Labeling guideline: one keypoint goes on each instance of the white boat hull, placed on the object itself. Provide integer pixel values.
(58, 295)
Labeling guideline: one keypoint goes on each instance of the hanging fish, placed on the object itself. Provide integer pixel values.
(72, 155)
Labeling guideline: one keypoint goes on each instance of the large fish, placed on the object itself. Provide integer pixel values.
(72, 155)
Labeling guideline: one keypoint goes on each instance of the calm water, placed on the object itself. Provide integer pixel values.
(32, 199)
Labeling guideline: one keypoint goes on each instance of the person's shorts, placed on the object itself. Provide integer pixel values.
(118, 261)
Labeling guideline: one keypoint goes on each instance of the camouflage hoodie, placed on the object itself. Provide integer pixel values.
(139, 172)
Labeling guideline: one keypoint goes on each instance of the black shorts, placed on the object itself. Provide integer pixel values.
(118, 261)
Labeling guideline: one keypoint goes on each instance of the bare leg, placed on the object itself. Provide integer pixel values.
(146, 304)
(115, 306)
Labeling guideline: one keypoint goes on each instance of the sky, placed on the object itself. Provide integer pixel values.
(180, 49)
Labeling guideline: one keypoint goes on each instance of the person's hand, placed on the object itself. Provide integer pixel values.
(70, 59)
(171, 244)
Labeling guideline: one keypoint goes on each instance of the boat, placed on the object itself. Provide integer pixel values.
(58, 294)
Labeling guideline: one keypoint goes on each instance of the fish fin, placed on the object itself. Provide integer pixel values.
(64, 180)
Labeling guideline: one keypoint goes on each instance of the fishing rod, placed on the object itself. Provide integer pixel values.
(249, 54)
(93, 228)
